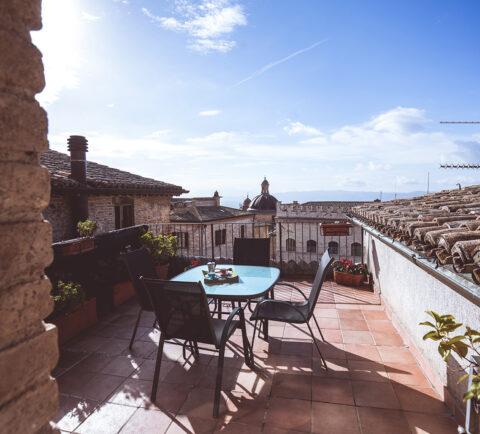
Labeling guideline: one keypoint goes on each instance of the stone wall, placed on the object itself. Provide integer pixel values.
(147, 209)
(28, 346)
(59, 214)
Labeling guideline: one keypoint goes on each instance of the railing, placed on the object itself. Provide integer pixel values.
(295, 247)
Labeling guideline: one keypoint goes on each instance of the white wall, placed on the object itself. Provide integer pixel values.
(409, 291)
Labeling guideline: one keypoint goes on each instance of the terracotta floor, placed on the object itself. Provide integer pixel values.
(373, 385)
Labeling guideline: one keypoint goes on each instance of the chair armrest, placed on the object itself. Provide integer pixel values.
(292, 286)
(286, 303)
(227, 324)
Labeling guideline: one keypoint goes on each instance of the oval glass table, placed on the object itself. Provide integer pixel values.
(253, 282)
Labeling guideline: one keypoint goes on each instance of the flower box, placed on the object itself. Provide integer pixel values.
(77, 246)
(72, 325)
(335, 229)
(122, 292)
(348, 279)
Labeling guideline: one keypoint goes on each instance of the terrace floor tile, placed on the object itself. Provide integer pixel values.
(334, 418)
(381, 421)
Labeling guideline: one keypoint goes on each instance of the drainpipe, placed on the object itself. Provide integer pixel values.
(78, 147)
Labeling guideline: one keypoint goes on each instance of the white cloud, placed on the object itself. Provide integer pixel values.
(157, 134)
(207, 23)
(89, 17)
(400, 120)
(111, 105)
(59, 42)
(297, 128)
(209, 112)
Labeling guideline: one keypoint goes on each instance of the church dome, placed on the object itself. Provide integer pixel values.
(264, 201)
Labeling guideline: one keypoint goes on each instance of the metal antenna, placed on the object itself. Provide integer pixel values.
(428, 182)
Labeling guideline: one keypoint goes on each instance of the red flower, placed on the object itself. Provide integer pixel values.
(195, 263)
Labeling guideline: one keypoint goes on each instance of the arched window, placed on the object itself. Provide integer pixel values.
(291, 245)
(311, 246)
(356, 249)
(333, 247)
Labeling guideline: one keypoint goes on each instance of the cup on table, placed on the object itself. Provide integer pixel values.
(211, 267)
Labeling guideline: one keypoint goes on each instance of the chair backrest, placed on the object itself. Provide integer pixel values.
(181, 309)
(139, 263)
(318, 281)
(251, 251)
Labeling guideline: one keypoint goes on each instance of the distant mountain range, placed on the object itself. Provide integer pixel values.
(320, 195)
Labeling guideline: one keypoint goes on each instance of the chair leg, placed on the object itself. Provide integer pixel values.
(254, 331)
(265, 329)
(247, 350)
(218, 384)
(135, 329)
(156, 375)
(318, 327)
(219, 309)
(196, 350)
(318, 348)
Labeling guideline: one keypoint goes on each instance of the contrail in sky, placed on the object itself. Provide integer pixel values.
(278, 62)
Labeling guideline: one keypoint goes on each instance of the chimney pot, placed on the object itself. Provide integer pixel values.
(78, 147)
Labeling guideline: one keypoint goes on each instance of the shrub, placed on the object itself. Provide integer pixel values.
(161, 247)
(68, 297)
(86, 228)
(463, 345)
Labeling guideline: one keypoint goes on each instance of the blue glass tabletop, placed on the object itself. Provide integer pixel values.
(253, 281)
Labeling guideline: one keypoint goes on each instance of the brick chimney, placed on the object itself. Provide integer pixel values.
(78, 147)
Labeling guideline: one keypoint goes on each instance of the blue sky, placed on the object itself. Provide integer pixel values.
(315, 95)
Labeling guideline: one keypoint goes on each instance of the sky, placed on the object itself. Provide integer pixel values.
(313, 94)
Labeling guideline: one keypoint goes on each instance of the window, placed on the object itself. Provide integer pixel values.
(333, 247)
(311, 246)
(220, 236)
(124, 216)
(356, 249)
(242, 231)
(291, 245)
(182, 239)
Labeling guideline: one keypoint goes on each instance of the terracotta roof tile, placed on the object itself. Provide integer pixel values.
(101, 177)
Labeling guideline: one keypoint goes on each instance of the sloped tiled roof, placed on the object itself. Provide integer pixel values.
(101, 177)
(444, 226)
(192, 213)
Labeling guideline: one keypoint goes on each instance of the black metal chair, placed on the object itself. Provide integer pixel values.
(139, 263)
(251, 251)
(296, 312)
(181, 309)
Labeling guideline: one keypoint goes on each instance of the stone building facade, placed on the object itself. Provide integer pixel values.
(28, 346)
(298, 226)
(113, 198)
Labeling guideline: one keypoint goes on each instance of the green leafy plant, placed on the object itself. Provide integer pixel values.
(463, 345)
(68, 297)
(347, 266)
(86, 228)
(161, 247)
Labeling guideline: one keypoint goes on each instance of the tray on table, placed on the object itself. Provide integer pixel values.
(219, 279)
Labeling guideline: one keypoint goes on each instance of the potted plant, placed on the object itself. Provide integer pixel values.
(467, 347)
(86, 242)
(335, 229)
(72, 313)
(162, 248)
(345, 272)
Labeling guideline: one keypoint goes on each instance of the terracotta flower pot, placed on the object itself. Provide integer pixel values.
(77, 246)
(72, 325)
(347, 278)
(162, 271)
(122, 292)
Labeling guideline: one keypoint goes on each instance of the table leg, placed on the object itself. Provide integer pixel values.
(265, 329)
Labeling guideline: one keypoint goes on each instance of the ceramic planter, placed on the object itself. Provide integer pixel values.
(162, 271)
(347, 278)
(70, 326)
(335, 229)
(122, 292)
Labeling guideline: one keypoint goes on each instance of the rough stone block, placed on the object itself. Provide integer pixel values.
(20, 64)
(25, 251)
(30, 412)
(24, 304)
(20, 200)
(25, 13)
(23, 124)
(27, 363)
